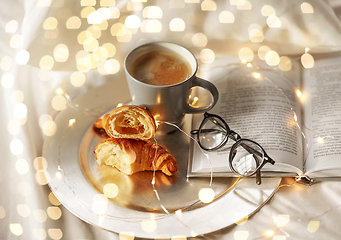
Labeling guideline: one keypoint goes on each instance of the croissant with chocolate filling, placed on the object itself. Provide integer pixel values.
(130, 121)
(131, 156)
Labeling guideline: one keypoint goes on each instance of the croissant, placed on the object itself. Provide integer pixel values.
(130, 121)
(100, 123)
(131, 156)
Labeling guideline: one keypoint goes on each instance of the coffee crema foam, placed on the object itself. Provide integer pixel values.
(161, 68)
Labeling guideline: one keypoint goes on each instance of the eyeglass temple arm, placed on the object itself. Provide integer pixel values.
(258, 173)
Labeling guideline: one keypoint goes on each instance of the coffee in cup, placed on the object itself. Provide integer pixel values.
(161, 68)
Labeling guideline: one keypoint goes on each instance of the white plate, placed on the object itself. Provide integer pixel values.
(169, 208)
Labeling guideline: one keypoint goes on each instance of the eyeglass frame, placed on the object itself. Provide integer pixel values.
(237, 138)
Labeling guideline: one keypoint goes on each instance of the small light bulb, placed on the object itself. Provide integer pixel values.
(270, 233)
(178, 212)
(72, 121)
(195, 100)
(298, 93)
(58, 174)
(256, 75)
(59, 91)
(320, 139)
(249, 64)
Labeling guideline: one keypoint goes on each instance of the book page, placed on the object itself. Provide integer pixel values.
(260, 105)
(322, 117)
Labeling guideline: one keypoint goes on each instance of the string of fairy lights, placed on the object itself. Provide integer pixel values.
(205, 195)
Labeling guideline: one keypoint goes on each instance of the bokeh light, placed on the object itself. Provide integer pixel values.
(23, 210)
(132, 21)
(177, 25)
(199, 40)
(7, 80)
(208, 5)
(307, 8)
(107, 3)
(246, 54)
(16, 229)
(99, 203)
(6, 63)
(226, 17)
(149, 225)
(272, 58)
(95, 18)
(126, 236)
(39, 233)
(59, 102)
(151, 26)
(22, 57)
(22, 167)
(53, 199)
(77, 79)
(282, 220)
(73, 22)
(262, 51)
(152, 12)
(241, 235)
(110, 190)
(42, 177)
(61, 53)
(273, 21)
(86, 11)
(40, 215)
(40, 163)
(307, 60)
(111, 49)
(268, 10)
(207, 56)
(54, 213)
(16, 41)
(87, 3)
(46, 63)
(50, 23)
(244, 5)
(90, 44)
(20, 111)
(285, 63)
(55, 233)
(2, 212)
(313, 226)
(206, 195)
(11, 26)
(255, 33)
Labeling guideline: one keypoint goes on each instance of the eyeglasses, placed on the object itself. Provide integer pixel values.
(246, 157)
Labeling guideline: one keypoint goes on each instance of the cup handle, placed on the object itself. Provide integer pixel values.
(199, 82)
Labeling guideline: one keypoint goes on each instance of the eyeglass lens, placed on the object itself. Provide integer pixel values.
(212, 133)
(246, 157)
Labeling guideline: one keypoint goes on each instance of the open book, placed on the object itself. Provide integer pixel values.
(302, 133)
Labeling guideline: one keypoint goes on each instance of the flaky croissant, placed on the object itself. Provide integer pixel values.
(129, 121)
(131, 156)
(100, 123)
